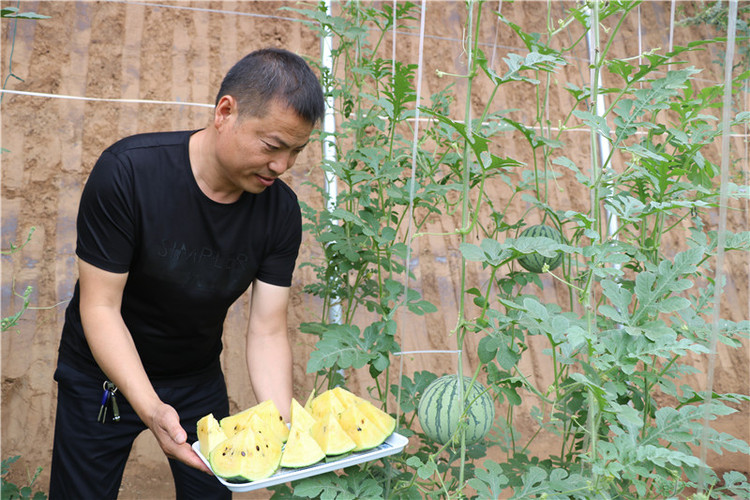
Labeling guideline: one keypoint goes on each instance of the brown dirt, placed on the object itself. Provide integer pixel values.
(157, 52)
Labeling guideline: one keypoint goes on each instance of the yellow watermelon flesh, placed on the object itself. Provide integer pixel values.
(347, 398)
(246, 456)
(233, 424)
(308, 403)
(331, 437)
(326, 403)
(380, 418)
(270, 413)
(266, 410)
(363, 431)
(301, 449)
(301, 417)
(209, 434)
(263, 430)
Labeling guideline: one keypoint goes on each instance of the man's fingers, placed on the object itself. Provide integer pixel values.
(185, 454)
(173, 439)
(178, 434)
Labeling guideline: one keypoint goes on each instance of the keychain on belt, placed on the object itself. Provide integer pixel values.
(109, 397)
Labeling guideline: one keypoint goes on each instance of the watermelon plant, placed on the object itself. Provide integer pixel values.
(633, 312)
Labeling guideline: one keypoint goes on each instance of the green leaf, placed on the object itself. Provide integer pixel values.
(651, 288)
(490, 481)
(506, 357)
(487, 348)
(672, 304)
(534, 480)
(341, 347)
(535, 309)
(426, 470)
(595, 122)
(620, 298)
(13, 13)
(629, 416)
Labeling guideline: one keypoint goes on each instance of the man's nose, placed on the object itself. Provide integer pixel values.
(281, 162)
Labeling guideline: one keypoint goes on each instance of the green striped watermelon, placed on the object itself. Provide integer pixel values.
(534, 262)
(440, 409)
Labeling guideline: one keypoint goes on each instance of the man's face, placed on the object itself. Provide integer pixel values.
(252, 152)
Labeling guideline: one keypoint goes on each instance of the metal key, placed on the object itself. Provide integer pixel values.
(105, 398)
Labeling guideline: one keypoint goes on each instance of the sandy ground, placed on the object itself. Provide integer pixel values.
(178, 52)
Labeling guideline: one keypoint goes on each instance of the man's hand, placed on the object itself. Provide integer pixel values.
(165, 425)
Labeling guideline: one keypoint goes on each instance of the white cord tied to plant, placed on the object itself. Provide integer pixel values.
(412, 189)
(721, 237)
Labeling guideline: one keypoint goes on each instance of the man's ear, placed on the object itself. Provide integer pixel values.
(225, 111)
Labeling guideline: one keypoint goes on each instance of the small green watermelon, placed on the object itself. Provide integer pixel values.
(533, 262)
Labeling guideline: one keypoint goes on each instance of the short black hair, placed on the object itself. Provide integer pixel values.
(272, 73)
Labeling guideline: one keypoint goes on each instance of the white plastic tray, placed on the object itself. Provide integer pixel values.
(394, 444)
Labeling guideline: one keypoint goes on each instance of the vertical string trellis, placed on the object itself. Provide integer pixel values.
(721, 237)
(413, 173)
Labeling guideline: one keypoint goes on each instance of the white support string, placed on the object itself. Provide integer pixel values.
(415, 142)
(104, 99)
(393, 48)
(640, 40)
(497, 32)
(201, 9)
(671, 25)
(205, 105)
(412, 188)
(721, 238)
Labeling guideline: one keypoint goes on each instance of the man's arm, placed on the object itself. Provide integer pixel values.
(115, 352)
(269, 353)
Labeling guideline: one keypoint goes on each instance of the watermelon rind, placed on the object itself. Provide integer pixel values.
(534, 262)
(439, 410)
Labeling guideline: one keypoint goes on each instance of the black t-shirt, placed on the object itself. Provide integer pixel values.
(188, 257)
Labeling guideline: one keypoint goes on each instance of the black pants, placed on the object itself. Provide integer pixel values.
(88, 457)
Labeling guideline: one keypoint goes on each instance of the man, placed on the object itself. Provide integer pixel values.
(172, 228)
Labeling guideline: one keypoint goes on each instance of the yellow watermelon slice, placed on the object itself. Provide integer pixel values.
(309, 400)
(209, 434)
(264, 431)
(326, 403)
(301, 449)
(246, 456)
(329, 435)
(380, 418)
(266, 410)
(363, 431)
(301, 417)
(233, 424)
(347, 398)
